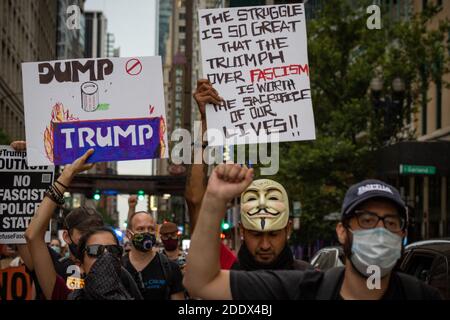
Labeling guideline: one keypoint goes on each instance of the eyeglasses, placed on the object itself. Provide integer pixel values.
(369, 220)
(169, 236)
(97, 250)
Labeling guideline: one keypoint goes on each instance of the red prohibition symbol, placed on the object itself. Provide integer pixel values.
(133, 67)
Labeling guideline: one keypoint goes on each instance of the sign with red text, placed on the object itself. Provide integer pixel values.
(256, 58)
(114, 105)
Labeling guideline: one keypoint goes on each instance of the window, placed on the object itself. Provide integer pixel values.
(438, 105)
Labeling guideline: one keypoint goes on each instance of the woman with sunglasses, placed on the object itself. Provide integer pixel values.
(99, 251)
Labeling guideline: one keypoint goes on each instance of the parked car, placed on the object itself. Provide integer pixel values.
(429, 261)
(327, 258)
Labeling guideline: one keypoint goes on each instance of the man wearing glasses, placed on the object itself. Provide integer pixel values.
(374, 221)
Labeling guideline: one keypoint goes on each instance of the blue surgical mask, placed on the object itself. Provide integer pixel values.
(56, 249)
(375, 247)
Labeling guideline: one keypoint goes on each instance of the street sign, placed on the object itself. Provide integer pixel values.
(413, 169)
(297, 206)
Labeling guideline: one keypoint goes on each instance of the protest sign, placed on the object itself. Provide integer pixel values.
(22, 189)
(15, 284)
(256, 58)
(114, 105)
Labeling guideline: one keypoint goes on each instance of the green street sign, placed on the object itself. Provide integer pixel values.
(412, 169)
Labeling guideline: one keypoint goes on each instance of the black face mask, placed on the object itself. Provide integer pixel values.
(143, 241)
(73, 248)
(103, 280)
(247, 261)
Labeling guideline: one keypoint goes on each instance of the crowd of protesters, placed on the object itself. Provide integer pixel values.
(93, 264)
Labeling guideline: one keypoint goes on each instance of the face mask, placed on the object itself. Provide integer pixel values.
(56, 249)
(264, 206)
(143, 241)
(73, 249)
(378, 247)
(170, 244)
(103, 280)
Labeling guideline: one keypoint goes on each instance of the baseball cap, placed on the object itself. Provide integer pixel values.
(370, 189)
(168, 227)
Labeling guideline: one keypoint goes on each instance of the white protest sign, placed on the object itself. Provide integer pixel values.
(256, 58)
(114, 105)
(22, 189)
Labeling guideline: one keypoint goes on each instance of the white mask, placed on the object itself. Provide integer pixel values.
(378, 247)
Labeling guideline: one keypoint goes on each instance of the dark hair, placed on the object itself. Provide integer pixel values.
(85, 237)
(83, 219)
(129, 225)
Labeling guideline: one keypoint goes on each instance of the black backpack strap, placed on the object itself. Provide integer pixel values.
(411, 287)
(330, 281)
(167, 272)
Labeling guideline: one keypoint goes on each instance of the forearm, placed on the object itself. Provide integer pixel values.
(196, 183)
(203, 262)
(39, 224)
(24, 253)
(131, 210)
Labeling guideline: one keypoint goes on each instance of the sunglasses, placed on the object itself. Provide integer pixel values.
(97, 250)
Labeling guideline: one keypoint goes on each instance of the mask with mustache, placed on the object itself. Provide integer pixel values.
(264, 206)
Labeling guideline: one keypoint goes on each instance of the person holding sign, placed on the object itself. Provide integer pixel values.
(98, 250)
(374, 221)
(265, 241)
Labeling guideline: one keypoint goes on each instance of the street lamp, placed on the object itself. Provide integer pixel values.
(388, 107)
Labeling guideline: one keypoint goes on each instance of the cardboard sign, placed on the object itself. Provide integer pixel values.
(22, 189)
(256, 58)
(114, 105)
(15, 284)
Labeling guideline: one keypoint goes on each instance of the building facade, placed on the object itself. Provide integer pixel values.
(96, 34)
(27, 33)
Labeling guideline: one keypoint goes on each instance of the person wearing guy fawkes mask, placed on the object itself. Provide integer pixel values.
(157, 277)
(373, 225)
(265, 229)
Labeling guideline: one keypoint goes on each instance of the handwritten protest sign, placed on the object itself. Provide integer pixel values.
(15, 284)
(22, 189)
(256, 57)
(114, 105)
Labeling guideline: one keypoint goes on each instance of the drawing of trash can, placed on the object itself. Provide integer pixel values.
(89, 96)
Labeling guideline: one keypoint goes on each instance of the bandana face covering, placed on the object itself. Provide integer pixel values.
(264, 206)
(103, 280)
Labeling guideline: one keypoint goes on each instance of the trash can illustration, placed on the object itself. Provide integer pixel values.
(89, 96)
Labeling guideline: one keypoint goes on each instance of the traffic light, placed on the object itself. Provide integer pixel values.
(141, 195)
(97, 195)
(222, 236)
(225, 225)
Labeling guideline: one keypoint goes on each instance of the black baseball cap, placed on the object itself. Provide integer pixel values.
(370, 189)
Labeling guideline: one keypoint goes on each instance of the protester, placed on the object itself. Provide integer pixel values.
(197, 173)
(374, 220)
(157, 277)
(77, 223)
(170, 239)
(55, 244)
(263, 246)
(98, 250)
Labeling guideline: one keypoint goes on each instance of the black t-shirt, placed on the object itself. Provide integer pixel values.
(151, 280)
(304, 285)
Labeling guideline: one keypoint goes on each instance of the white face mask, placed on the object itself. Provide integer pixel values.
(375, 247)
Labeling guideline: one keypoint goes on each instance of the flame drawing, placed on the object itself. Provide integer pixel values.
(58, 115)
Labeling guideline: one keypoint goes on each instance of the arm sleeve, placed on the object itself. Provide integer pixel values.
(60, 290)
(176, 284)
(274, 285)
